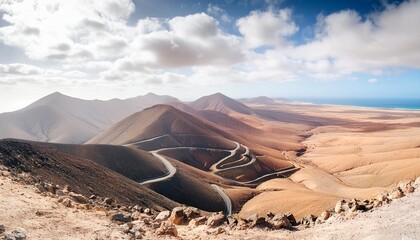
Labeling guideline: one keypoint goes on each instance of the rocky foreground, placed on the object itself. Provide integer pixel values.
(35, 209)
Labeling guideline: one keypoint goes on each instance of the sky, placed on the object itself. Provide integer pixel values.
(103, 49)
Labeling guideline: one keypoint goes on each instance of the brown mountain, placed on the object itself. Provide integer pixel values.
(170, 127)
(220, 103)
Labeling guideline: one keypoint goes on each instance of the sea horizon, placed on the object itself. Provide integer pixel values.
(385, 103)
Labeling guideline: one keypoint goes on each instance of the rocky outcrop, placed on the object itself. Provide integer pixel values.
(215, 219)
(167, 228)
(18, 234)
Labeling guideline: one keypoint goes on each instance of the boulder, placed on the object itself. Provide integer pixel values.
(195, 222)
(406, 186)
(136, 215)
(191, 212)
(40, 187)
(339, 207)
(2, 229)
(109, 201)
(167, 228)
(254, 220)
(216, 219)
(417, 182)
(147, 211)
(308, 220)
(279, 221)
(177, 215)
(395, 194)
(377, 204)
(162, 216)
(18, 234)
(50, 188)
(325, 215)
(292, 219)
(78, 197)
(232, 220)
(121, 217)
(67, 202)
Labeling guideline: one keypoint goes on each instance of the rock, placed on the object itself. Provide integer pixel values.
(40, 187)
(162, 216)
(167, 228)
(232, 220)
(395, 194)
(147, 211)
(406, 186)
(382, 196)
(325, 215)
(308, 220)
(195, 222)
(136, 215)
(78, 197)
(2, 229)
(67, 202)
(377, 204)
(270, 215)
(292, 219)
(417, 182)
(59, 193)
(92, 197)
(109, 201)
(192, 212)
(18, 234)
(215, 219)
(137, 208)
(50, 188)
(339, 207)
(279, 221)
(66, 189)
(121, 217)
(220, 230)
(254, 220)
(177, 215)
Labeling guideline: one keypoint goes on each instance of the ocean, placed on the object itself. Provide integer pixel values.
(393, 103)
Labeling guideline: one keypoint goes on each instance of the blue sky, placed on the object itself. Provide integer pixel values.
(188, 48)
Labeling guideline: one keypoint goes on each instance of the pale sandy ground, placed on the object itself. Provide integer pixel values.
(19, 205)
(398, 220)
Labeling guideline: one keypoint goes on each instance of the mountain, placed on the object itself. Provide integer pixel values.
(220, 103)
(165, 123)
(81, 175)
(63, 119)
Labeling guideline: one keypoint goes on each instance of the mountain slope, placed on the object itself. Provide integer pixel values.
(63, 119)
(220, 103)
(162, 121)
(82, 175)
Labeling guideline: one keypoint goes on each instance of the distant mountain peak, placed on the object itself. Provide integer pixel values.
(221, 103)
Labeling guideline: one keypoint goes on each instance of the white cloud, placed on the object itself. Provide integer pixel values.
(270, 28)
(352, 44)
(218, 12)
(373, 80)
(66, 30)
(192, 40)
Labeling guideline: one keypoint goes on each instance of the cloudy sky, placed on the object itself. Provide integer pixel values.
(188, 48)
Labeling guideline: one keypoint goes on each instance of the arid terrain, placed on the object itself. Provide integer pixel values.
(246, 158)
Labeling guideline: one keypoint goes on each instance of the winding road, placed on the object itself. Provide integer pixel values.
(214, 168)
(226, 199)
